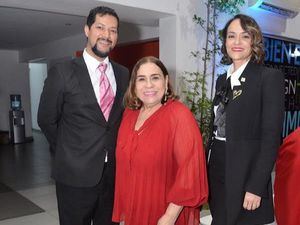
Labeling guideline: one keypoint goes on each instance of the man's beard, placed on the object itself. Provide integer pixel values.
(99, 53)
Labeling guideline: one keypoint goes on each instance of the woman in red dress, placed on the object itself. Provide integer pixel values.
(287, 181)
(161, 170)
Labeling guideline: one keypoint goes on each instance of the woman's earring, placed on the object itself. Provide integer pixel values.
(136, 103)
(166, 95)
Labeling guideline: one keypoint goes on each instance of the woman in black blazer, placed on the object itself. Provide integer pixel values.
(248, 116)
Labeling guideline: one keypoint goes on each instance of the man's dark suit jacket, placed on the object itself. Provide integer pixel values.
(73, 123)
(254, 119)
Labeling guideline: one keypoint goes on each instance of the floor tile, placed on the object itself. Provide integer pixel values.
(36, 219)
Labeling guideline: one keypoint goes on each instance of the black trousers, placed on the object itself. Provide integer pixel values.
(82, 205)
(216, 178)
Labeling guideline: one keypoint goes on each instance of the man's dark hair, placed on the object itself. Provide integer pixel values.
(101, 11)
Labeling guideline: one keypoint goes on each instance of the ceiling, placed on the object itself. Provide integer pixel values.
(25, 28)
(25, 24)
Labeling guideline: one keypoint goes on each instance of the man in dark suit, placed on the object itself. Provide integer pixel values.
(80, 112)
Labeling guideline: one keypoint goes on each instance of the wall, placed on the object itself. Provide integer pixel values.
(67, 47)
(132, 32)
(167, 45)
(156, 5)
(190, 36)
(292, 28)
(57, 49)
(14, 79)
(37, 75)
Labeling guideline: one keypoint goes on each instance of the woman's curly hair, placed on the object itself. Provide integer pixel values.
(250, 26)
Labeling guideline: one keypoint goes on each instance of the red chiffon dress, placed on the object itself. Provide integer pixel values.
(287, 181)
(160, 163)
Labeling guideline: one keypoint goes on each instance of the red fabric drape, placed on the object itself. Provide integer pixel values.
(287, 181)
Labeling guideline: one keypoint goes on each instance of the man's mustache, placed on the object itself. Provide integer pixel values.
(105, 39)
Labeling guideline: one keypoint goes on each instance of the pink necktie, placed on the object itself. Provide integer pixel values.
(106, 92)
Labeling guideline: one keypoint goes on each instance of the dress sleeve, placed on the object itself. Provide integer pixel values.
(190, 187)
(286, 186)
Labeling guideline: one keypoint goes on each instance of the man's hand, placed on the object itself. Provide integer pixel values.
(251, 201)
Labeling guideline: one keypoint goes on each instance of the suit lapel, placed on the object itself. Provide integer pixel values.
(220, 85)
(242, 94)
(118, 101)
(248, 79)
(85, 83)
(236, 107)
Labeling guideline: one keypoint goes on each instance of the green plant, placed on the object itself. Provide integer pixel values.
(196, 96)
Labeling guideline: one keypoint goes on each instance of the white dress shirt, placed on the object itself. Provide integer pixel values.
(92, 65)
(235, 76)
(234, 81)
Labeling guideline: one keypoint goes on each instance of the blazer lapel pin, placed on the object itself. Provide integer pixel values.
(243, 79)
(236, 93)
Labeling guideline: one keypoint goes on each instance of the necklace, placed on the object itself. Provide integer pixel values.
(144, 114)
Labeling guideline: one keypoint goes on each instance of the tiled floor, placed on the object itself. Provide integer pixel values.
(44, 197)
(24, 166)
(26, 169)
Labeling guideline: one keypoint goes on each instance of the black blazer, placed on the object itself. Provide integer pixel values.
(254, 119)
(73, 123)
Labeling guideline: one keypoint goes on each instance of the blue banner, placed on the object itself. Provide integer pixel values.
(284, 54)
